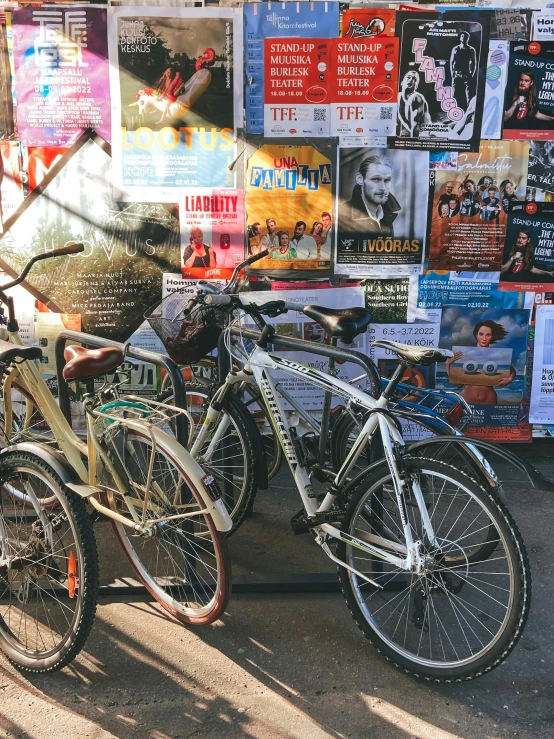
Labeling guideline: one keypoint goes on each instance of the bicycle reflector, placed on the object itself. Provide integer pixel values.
(72, 574)
(455, 414)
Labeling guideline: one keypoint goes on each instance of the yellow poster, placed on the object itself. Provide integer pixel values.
(288, 209)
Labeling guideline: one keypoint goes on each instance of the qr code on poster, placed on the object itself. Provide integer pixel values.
(320, 114)
(386, 114)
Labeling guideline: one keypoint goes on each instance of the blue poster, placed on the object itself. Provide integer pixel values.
(278, 20)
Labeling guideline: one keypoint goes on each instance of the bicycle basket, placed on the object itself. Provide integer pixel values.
(186, 338)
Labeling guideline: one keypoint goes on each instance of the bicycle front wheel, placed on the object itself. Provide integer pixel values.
(185, 563)
(462, 615)
(49, 567)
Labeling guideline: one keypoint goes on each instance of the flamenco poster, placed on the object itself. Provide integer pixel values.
(177, 100)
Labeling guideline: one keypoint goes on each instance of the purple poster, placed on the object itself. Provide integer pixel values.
(61, 73)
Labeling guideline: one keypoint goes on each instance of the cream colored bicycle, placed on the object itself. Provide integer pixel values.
(167, 513)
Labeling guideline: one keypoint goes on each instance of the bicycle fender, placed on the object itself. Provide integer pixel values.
(537, 479)
(55, 459)
(204, 483)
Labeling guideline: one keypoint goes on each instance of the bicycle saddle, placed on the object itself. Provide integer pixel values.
(83, 364)
(341, 323)
(9, 353)
(415, 354)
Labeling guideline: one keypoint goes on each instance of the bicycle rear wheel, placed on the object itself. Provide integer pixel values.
(49, 567)
(460, 616)
(185, 563)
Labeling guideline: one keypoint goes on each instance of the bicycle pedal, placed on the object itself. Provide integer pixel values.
(299, 523)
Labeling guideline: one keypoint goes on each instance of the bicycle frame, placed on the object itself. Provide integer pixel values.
(259, 366)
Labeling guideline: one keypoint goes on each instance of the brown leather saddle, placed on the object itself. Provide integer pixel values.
(84, 364)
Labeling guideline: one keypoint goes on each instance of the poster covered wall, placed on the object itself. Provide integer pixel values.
(278, 20)
(289, 209)
(441, 79)
(177, 99)
(212, 232)
(470, 206)
(381, 211)
(61, 73)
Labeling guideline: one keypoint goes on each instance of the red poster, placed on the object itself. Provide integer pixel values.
(368, 22)
(365, 84)
(296, 87)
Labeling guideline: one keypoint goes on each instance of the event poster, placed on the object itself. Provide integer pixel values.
(263, 20)
(177, 99)
(528, 260)
(61, 73)
(488, 364)
(470, 206)
(443, 61)
(365, 86)
(289, 205)
(541, 165)
(497, 70)
(118, 276)
(381, 211)
(297, 87)
(529, 96)
(387, 300)
(212, 232)
(366, 23)
(542, 388)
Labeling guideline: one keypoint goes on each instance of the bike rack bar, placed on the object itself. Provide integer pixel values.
(132, 352)
(324, 350)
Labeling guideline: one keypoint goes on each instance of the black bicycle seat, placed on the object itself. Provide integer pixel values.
(9, 353)
(340, 323)
(415, 355)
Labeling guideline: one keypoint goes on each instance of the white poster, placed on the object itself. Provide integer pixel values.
(497, 72)
(542, 387)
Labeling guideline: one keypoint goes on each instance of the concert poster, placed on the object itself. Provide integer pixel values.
(289, 209)
(367, 23)
(298, 75)
(528, 259)
(127, 246)
(488, 367)
(212, 232)
(441, 83)
(263, 20)
(177, 99)
(529, 95)
(365, 86)
(470, 206)
(61, 73)
(381, 212)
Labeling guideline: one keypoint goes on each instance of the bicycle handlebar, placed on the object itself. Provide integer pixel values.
(62, 251)
(241, 266)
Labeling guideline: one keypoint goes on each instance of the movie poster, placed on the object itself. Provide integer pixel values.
(541, 165)
(381, 212)
(443, 61)
(212, 232)
(302, 21)
(176, 90)
(470, 206)
(61, 73)
(118, 276)
(289, 205)
(488, 364)
(6, 93)
(529, 97)
(367, 23)
(365, 86)
(297, 81)
(528, 259)
(497, 71)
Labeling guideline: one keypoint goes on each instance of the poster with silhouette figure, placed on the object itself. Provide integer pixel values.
(177, 99)
(441, 82)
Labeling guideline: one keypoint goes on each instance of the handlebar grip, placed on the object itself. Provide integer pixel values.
(71, 249)
(255, 258)
(299, 307)
(189, 306)
(218, 300)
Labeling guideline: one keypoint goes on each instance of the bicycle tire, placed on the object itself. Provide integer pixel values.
(518, 584)
(178, 587)
(42, 566)
(238, 503)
